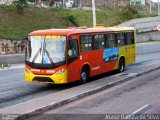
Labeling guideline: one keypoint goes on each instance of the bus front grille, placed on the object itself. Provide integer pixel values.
(42, 79)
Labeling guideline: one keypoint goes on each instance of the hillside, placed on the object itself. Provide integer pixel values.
(15, 26)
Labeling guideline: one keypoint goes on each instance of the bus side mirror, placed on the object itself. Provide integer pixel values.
(72, 56)
(25, 39)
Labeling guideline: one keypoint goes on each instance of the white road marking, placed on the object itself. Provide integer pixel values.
(137, 111)
(132, 74)
(5, 92)
(140, 109)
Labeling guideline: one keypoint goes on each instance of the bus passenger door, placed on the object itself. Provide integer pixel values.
(129, 54)
(73, 60)
(130, 48)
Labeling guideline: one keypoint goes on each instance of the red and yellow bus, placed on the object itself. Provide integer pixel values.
(58, 56)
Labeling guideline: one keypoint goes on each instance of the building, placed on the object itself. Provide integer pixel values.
(6, 2)
(103, 2)
(140, 2)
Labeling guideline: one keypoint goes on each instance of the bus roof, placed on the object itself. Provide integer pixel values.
(118, 28)
(79, 31)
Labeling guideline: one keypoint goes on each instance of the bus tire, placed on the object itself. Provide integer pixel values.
(121, 65)
(84, 76)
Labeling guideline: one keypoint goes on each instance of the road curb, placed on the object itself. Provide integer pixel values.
(12, 67)
(82, 95)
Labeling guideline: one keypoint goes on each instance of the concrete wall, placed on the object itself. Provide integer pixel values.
(8, 46)
(142, 48)
(148, 36)
(12, 58)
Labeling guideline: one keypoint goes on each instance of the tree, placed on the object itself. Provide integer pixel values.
(19, 5)
(51, 3)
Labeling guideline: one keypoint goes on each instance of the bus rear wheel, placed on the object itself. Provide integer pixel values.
(121, 66)
(84, 76)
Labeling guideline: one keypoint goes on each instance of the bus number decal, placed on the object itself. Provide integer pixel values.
(96, 68)
(50, 71)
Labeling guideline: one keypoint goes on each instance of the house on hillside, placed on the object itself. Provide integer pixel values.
(103, 2)
(6, 2)
(140, 2)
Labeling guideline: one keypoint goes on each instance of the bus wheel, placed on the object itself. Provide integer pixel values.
(121, 66)
(84, 76)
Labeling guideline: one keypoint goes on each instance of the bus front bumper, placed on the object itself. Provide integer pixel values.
(51, 79)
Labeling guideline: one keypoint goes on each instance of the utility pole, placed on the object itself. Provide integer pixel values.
(114, 4)
(150, 7)
(94, 12)
(63, 3)
(80, 4)
(158, 8)
(105, 3)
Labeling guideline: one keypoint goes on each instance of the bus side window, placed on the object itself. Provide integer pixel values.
(111, 40)
(73, 48)
(98, 42)
(86, 43)
(130, 38)
(106, 41)
(121, 39)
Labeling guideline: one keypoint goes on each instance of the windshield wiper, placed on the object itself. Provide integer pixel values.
(39, 50)
(47, 53)
(45, 50)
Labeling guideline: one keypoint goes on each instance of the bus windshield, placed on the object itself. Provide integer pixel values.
(46, 49)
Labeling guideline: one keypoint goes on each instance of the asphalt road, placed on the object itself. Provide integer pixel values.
(138, 96)
(14, 89)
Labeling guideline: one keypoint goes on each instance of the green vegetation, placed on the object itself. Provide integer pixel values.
(19, 5)
(4, 65)
(17, 26)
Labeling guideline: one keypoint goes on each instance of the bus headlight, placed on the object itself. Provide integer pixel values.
(28, 71)
(60, 71)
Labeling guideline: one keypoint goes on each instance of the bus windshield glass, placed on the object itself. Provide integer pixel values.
(49, 49)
